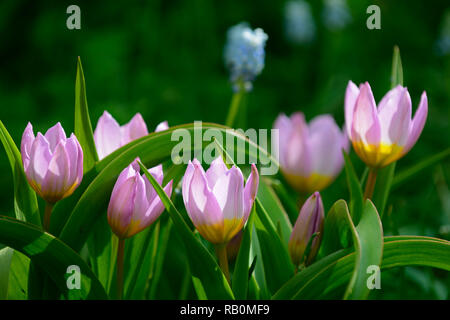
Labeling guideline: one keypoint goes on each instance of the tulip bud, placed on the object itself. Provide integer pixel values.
(110, 136)
(134, 203)
(244, 54)
(382, 135)
(52, 162)
(309, 222)
(310, 155)
(217, 201)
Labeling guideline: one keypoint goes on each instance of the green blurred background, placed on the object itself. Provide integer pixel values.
(164, 59)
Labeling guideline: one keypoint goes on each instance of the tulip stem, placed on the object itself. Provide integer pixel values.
(234, 106)
(120, 253)
(47, 214)
(370, 184)
(221, 252)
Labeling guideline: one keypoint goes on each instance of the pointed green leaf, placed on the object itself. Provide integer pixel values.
(83, 128)
(52, 256)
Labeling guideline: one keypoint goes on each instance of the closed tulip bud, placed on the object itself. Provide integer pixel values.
(382, 135)
(217, 201)
(53, 163)
(110, 136)
(310, 155)
(134, 203)
(309, 222)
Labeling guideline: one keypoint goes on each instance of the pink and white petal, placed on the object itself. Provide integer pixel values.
(141, 202)
(71, 147)
(215, 171)
(156, 207)
(54, 135)
(418, 123)
(229, 193)
(25, 145)
(187, 181)
(202, 207)
(297, 151)
(325, 139)
(283, 125)
(107, 135)
(250, 191)
(126, 174)
(134, 129)
(351, 94)
(39, 159)
(120, 208)
(56, 181)
(365, 124)
(394, 114)
(162, 126)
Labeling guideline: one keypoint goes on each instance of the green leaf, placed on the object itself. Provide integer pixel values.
(25, 202)
(278, 267)
(369, 251)
(18, 277)
(397, 69)
(407, 173)
(338, 229)
(356, 194)
(202, 264)
(6, 255)
(52, 256)
(327, 277)
(241, 269)
(83, 128)
(383, 184)
(272, 204)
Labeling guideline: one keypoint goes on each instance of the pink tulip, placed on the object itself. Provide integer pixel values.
(52, 162)
(134, 204)
(310, 155)
(382, 135)
(217, 201)
(110, 136)
(309, 222)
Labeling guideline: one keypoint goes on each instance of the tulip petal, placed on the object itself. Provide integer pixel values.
(326, 145)
(418, 123)
(72, 150)
(284, 127)
(215, 171)
(134, 129)
(54, 135)
(250, 191)
(365, 124)
(107, 135)
(187, 180)
(56, 181)
(121, 205)
(39, 159)
(162, 126)
(351, 94)
(126, 174)
(394, 113)
(156, 207)
(25, 145)
(201, 205)
(229, 193)
(297, 153)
